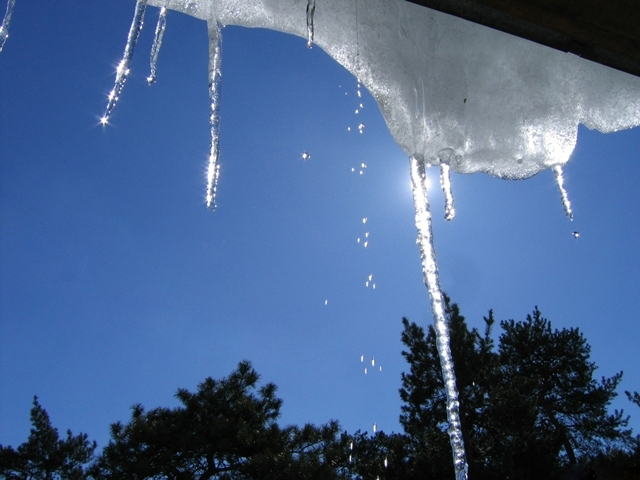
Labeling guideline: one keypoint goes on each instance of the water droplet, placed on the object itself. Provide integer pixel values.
(373, 361)
(374, 286)
(348, 129)
(306, 156)
(353, 169)
(370, 276)
(361, 172)
(576, 234)
(358, 239)
(357, 111)
(351, 446)
(380, 367)
(361, 106)
(364, 220)
(365, 244)
(375, 427)
(326, 302)
(363, 165)
(361, 127)
(365, 370)
(366, 284)
(366, 235)
(359, 92)
(386, 463)
(362, 358)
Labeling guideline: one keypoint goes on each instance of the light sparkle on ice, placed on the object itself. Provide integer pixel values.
(157, 43)
(557, 171)
(432, 281)
(4, 28)
(122, 70)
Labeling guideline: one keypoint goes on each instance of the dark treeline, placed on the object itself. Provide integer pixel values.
(530, 405)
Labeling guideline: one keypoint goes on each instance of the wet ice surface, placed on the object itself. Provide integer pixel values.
(503, 105)
(453, 93)
(4, 28)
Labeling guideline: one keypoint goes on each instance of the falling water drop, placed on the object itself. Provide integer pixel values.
(326, 302)
(362, 358)
(366, 244)
(386, 462)
(123, 67)
(375, 427)
(351, 446)
(432, 282)
(358, 239)
(4, 28)
(311, 10)
(373, 361)
(215, 76)
(157, 43)
(445, 182)
(361, 128)
(365, 370)
(576, 234)
(557, 170)
(374, 286)
(306, 156)
(364, 220)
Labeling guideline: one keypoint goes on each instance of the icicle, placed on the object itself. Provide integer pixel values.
(445, 182)
(557, 170)
(123, 67)
(311, 10)
(215, 54)
(157, 43)
(4, 28)
(431, 280)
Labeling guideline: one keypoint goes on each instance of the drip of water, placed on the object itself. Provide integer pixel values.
(311, 10)
(157, 43)
(445, 182)
(4, 28)
(122, 71)
(576, 234)
(306, 156)
(361, 127)
(432, 282)
(557, 170)
(375, 427)
(215, 77)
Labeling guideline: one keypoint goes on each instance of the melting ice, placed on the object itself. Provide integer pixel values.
(4, 28)
(487, 102)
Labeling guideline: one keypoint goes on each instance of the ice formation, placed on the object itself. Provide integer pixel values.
(4, 28)
(157, 44)
(453, 93)
(432, 281)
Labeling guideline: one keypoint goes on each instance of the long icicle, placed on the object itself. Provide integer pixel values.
(122, 71)
(157, 44)
(431, 280)
(4, 28)
(557, 170)
(445, 183)
(215, 76)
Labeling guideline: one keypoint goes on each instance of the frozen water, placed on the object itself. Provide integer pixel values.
(311, 10)
(4, 28)
(445, 182)
(432, 281)
(486, 102)
(557, 170)
(504, 105)
(157, 43)
(215, 75)
(122, 72)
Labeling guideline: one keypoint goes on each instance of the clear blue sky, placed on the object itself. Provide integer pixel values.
(118, 286)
